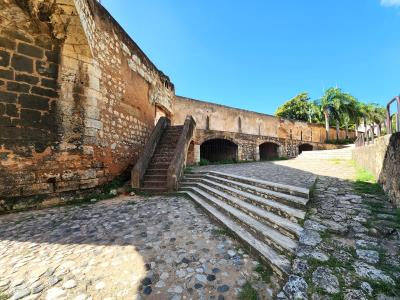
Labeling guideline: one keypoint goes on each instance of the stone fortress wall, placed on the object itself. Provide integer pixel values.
(77, 98)
(248, 130)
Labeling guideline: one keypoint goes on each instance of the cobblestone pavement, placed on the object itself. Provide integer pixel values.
(350, 248)
(166, 248)
(278, 171)
(158, 248)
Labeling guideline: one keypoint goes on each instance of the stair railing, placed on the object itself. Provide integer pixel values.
(389, 116)
(142, 164)
(368, 137)
(178, 163)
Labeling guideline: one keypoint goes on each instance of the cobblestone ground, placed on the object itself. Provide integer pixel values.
(351, 246)
(130, 248)
(166, 248)
(279, 171)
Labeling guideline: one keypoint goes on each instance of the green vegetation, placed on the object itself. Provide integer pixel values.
(265, 272)
(276, 158)
(222, 231)
(248, 292)
(334, 107)
(115, 184)
(341, 142)
(366, 183)
(4, 296)
(297, 108)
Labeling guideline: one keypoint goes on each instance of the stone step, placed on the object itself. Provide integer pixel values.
(156, 171)
(152, 177)
(277, 187)
(154, 190)
(283, 225)
(280, 264)
(275, 239)
(278, 208)
(161, 158)
(155, 183)
(159, 165)
(293, 201)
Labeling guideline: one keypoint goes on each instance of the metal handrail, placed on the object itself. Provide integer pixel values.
(368, 137)
(389, 115)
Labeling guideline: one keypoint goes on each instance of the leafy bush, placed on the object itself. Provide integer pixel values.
(204, 162)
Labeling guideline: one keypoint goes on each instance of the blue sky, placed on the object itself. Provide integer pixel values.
(257, 54)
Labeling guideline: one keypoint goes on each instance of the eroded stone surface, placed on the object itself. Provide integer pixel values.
(163, 247)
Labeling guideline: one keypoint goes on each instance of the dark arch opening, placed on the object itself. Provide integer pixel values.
(218, 150)
(305, 147)
(268, 151)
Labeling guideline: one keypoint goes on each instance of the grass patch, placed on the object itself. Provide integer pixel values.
(222, 231)
(264, 271)
(4, 296)
(384, 288)
(336, 161)
(332, 263)
(366, 182)
(248, 292)
(397, 216)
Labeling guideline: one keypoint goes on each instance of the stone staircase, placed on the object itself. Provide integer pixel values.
(155, 178)
(262, 214)
(343, 154)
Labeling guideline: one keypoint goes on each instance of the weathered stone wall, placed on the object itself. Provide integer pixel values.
(222, 118)
(248, 144)
(77, 99)
(383, 160)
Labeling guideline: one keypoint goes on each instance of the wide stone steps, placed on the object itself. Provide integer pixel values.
(266, 213)
(294, 201)
(343, 154)
(265, 203)
(278, 262)
(268, 185)
(284, 226)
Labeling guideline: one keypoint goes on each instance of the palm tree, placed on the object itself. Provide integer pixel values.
(330, 105)
(349, 112)
(376, 116)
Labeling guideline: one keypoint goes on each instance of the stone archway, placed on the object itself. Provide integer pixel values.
(268, 151)
(218, 149)
(305, 147)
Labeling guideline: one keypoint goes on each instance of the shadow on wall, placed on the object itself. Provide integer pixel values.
(218, 150)
(268, 151)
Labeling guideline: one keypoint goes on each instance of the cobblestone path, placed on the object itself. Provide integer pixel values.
(166, 248)
(158, 248)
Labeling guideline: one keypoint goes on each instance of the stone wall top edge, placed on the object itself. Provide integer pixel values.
(250, 112)
(99, 10)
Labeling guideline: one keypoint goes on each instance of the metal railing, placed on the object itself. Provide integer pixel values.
(389, 116)
(368, 137)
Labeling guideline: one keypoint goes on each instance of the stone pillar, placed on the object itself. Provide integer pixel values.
(196, 154)
(257, 152)
(239, 153)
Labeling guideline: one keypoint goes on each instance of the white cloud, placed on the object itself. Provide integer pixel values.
(390, 2)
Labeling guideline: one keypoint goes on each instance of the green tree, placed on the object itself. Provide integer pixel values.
(330, 105)
(297, 108)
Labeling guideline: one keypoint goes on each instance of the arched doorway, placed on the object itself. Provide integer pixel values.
(268, 151)
(305, 147)
(218, 150)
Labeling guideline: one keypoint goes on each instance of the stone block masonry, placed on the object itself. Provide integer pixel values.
(382, 159)
(77, 100)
